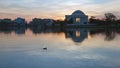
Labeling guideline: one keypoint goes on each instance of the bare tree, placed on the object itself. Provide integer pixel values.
(110, 17)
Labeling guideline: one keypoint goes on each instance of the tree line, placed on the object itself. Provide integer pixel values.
(110, 20)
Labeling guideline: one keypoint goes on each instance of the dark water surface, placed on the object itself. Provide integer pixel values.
(69, 48)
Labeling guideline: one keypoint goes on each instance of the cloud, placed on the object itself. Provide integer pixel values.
(59, 8)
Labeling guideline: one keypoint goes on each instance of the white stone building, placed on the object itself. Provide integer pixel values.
(77, 18)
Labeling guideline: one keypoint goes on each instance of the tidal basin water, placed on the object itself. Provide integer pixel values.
(71, 48)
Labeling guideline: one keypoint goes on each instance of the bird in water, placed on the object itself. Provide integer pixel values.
(45, 48)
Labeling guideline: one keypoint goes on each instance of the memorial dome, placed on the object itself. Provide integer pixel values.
(78, 12)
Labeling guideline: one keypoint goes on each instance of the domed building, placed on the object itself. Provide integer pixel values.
(77, 18)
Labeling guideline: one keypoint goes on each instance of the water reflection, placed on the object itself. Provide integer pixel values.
(109, 33)
(75, 34)
(53, 48)
(17, 30)
(20, 31)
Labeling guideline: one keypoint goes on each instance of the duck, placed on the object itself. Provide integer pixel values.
(45, 48)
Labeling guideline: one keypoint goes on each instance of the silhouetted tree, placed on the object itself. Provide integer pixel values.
(69, 22)
(98, 22)
(92, 19)
(59, 23)
(110, 17)
(6, 22)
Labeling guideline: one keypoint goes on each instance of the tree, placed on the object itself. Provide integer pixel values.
(92, 19)
(110, 17)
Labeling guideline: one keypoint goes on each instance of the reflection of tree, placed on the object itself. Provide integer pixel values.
(110, 35)
(8, 30)
(39, 30)
(5, 30)
(36, 30)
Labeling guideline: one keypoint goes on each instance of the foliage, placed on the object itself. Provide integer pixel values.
(110, 17)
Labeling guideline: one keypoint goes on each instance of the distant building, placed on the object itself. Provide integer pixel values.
(37, 23)
(20, 20)
(48, 22)
(36, 20)
(77, 18)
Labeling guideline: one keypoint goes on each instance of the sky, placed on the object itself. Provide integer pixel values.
(56, 9)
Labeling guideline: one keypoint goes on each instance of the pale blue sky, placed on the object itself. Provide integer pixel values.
(56, 8)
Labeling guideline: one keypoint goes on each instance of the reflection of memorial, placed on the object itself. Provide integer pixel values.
(20, 31)
(77, 35)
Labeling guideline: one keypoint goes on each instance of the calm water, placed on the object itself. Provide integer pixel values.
(69, 48)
